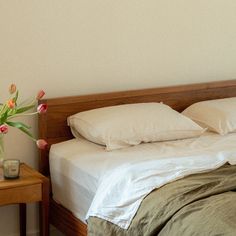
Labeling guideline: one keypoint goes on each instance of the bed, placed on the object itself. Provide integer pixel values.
(53, 125)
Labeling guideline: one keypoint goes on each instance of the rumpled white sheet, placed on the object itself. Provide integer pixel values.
(122, 189)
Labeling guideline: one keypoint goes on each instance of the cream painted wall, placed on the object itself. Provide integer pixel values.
(83, 46)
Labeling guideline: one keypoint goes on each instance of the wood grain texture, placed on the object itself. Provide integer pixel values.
(65, 221)
(44, 208)
(31, 186)
(53, 125)
(27, 177)
(31, 193)
(22, 215)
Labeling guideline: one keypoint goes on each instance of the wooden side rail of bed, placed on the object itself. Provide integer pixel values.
(53, 125)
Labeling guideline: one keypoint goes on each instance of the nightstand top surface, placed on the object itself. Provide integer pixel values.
(28, 176)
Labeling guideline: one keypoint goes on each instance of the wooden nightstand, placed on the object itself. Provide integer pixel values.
(31, 186)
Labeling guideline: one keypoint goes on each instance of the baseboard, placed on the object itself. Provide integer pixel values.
(33, 233)
(53, 231)
(29, 233)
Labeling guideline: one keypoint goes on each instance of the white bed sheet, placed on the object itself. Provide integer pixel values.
(78, 166)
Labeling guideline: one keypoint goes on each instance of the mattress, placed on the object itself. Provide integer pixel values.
(77, 166)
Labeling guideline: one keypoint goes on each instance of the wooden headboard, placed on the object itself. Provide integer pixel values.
(53, 125)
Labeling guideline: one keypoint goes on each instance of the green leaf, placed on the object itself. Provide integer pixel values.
(26, 132)
(24, 128)
(4, 116)
(18, 125)
(24, 109)
(3, 109)
(11, 112)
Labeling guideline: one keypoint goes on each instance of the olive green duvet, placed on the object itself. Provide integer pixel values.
(200, 204)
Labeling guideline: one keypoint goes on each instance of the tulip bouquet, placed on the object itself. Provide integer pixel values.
(11, 110)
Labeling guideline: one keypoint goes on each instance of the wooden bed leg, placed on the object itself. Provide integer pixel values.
(44, 209)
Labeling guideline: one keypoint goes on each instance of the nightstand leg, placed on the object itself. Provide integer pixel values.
(44, 209)
(22, 207)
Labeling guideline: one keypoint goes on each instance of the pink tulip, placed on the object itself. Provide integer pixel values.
(40, 94)
(42, 108)
(12, 88)
(3, 129)
(11, 103)
(41, 143)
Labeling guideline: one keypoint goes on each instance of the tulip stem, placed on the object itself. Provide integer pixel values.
(24, 114)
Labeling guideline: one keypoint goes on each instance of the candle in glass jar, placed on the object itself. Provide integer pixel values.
(11, 168)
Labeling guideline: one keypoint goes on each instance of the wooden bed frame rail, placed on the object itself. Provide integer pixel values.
(53, 125)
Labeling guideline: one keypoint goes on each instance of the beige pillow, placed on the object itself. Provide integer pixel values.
(124, 125)
(217, 115)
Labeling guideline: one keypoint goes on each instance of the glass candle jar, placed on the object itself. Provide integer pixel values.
(11, 168)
